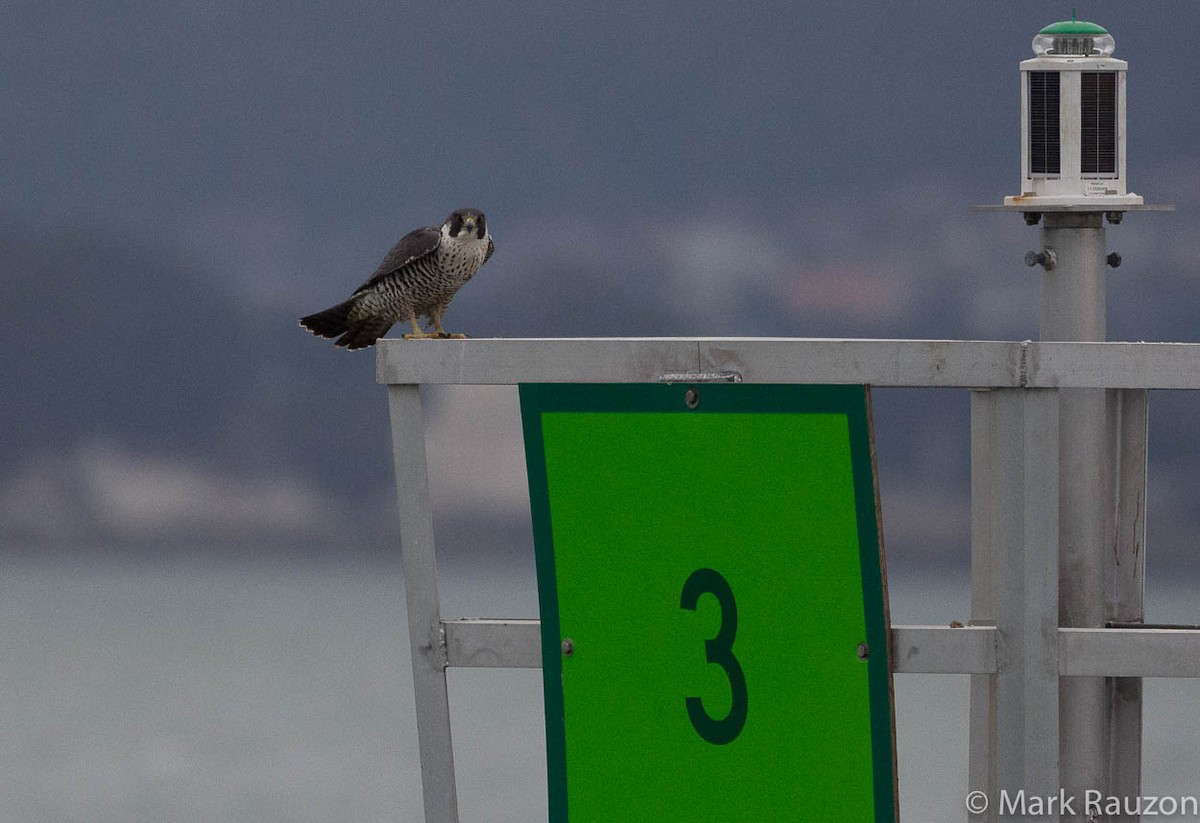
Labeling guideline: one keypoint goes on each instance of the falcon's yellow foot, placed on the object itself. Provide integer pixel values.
(421, 335)
(442, 333)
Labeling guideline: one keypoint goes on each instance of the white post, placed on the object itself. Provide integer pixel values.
(427, 636)
(985, 445)
(1025, 574)
(1073, 309)
(1125, 569)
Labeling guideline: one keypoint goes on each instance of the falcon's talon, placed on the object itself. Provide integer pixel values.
(418, 278)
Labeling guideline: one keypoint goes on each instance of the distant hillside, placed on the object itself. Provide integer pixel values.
(146, 403)
(116, 349)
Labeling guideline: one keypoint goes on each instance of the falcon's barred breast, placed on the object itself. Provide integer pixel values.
(417, 279)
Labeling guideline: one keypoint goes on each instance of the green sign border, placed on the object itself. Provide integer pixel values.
(852, 400)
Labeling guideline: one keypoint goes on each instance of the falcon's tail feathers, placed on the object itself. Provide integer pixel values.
(331, 322)
(363, 334)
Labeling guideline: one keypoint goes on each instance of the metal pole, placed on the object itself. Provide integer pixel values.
(1025, 573)
(985, 537)
(1073, 309)
(1129, 412)
(426, 635)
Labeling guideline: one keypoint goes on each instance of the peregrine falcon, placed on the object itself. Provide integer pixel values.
(418, 278)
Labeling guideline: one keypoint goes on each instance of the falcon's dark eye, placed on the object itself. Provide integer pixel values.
(456, 224)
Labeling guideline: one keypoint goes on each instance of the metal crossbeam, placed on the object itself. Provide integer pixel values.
(962, 363)
(491, 643)
(517, 644)
(944, 650)
(1129, 652)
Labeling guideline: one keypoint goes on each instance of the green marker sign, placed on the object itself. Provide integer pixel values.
(714, 626)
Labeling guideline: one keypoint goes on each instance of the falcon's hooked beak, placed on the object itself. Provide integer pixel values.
(466, 220)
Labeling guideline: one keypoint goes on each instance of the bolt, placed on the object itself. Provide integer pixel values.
(1046, 259)
(692, 398)
(863, 651)
(1114, 259)
(568, 647)
(1114, 217)
(1032, 218)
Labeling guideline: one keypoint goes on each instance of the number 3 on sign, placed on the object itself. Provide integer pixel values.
(718, 650)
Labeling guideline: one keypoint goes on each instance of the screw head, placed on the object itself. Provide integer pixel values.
(568, 647)
(691, 398)
(1046, 258)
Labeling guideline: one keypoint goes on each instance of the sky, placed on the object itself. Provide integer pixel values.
(181, 181)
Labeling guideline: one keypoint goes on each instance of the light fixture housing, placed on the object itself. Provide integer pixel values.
(1073, 121)
(1074, 38)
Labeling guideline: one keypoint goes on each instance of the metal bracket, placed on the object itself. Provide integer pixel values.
(438, 648)
(701, 377)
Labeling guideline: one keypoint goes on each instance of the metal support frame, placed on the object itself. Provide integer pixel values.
(985, 453)
(1016, 649)
(973, 650)
(1015, 547)
(1125, 575)
(1072, 307)
(968, 364)
(426, 634)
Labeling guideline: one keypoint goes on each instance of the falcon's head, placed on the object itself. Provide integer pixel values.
(470, 221)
